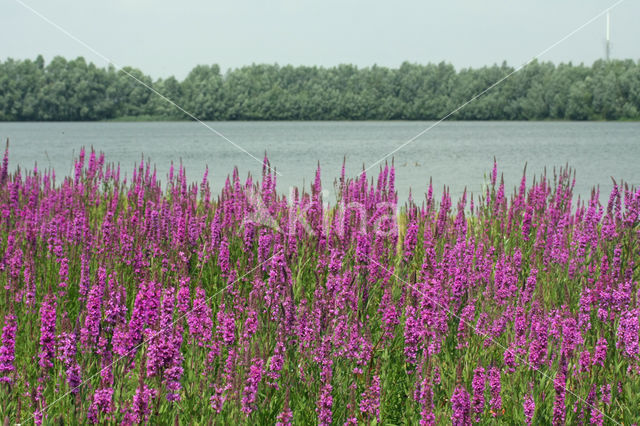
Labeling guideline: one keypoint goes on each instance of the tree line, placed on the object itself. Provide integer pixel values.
(74, 90)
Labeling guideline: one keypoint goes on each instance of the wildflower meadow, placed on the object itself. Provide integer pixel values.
(145, 299)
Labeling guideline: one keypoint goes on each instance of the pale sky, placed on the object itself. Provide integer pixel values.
(165, 38)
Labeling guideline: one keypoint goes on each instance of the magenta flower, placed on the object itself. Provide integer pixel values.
(600, 353)
(478, 385)
(226, 326)
(218, 398)
(495, 385)
(64, 272)
(285, 417)
(67, 348)
(200, 319)
(140, 410)
(605, 391)
(529, 407)
(275, 365)
(411, 335)
(89, 333)
(7, 350)
(184, 296)
(370, 402)
(461, 407)
(250, 325)
(597, 417)
(325, 405)
(628, 333)
(102, 403)
(585, 361)
(47, 332)
(251, 388)
(559, 409)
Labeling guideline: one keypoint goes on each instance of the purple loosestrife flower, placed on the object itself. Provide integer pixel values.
(571, 336)
(226, 326)
(223, 257)
(478, 384)
(425, 398)
(461, 407)
(120, 340)
(8, 348)
(230, 367)
(47, 332)
(323, 356)
(526, 221)
(159, 352)
(530, 286)
(199, 319)
(538, 346)
(589, 403)
(509, 358)
(605, 391)
(628, 333)
(597, 417)
(64, 272)
(389, 313)
(164, 357)
(89, 333)
(251, 387)
(325, 405)
(585, 361)
(5, 166)
(250, 325)
(370, 402)
(600, 353)
(495, 385)
(411, 335)
(584, 316)
(84, 275)
(168, 307)
(363, 247)
(410, 240)
(30, 287)
(39, 405)
(173, 375)
(559, 409)
(529, 407)
(218, 398)
(264, 248)
(102, 403)
(67, 348)
(116, 309)
(466, 317)
(141, 409)
(184, 296)
(74, 377)
(275, 365)
(285, 417)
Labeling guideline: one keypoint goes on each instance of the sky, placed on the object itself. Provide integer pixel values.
(164, 38)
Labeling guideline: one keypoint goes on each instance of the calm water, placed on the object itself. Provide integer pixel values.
(456, 154)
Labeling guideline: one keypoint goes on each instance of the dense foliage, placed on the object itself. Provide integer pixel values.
(75, 90)
(124, 302)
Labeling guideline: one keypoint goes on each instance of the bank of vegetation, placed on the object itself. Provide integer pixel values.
(75, 90)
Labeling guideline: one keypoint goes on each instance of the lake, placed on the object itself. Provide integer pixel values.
(456, 154)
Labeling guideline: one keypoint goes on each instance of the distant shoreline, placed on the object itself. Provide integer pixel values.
(77, 90)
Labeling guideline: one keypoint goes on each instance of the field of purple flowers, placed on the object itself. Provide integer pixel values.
(131, 301)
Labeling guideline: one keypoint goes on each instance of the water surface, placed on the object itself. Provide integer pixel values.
(456, 154)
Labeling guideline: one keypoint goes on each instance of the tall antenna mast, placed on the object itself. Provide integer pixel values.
(608, 43)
